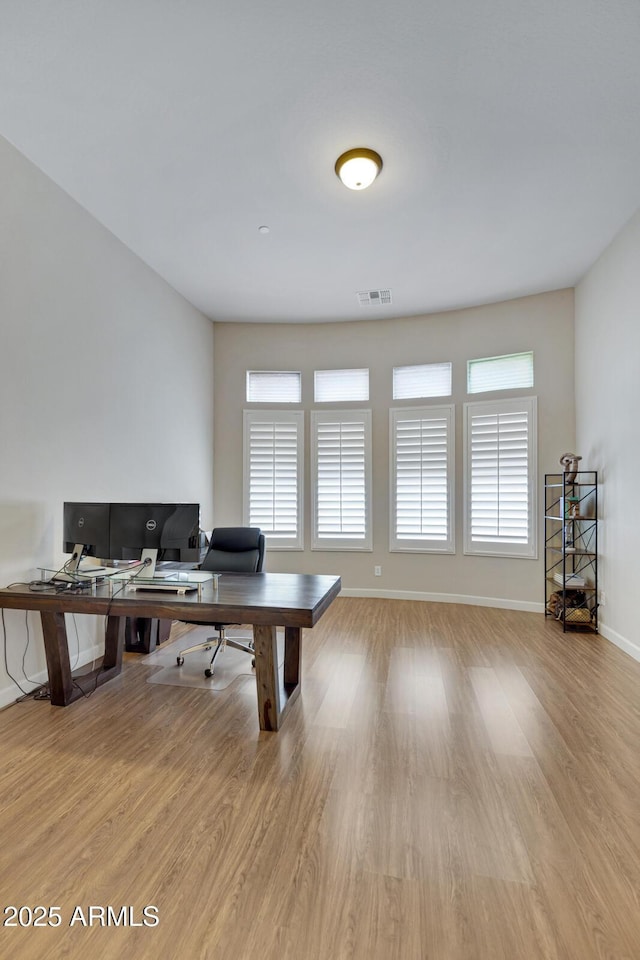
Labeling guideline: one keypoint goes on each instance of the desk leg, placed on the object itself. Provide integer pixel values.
(276, 693)
(292, 656)
(56, 648)
(267, 681)
(114, 644)
(143, 634)
(63, 689)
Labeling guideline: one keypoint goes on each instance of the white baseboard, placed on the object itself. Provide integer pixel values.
(11, 693)
(633, 649)
(499, 602)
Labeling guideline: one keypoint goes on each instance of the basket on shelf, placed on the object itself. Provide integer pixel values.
(577, 615)
(572, 607)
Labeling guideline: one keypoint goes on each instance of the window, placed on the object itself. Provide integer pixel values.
(341, 480)
(332, 386)
(274, 386)
(513, 372)
(273, 451)
(500, 477)
(422, 380)
(421, 456)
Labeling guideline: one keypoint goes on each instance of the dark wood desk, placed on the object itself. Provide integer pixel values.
(264, 600)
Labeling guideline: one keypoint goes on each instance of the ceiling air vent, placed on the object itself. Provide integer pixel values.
(368, 298)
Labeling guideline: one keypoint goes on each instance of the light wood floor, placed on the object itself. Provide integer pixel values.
(455, 783)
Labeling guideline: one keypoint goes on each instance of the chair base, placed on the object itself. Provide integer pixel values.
(245, 644)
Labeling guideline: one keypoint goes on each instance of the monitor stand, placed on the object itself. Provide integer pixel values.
(150, 558)
(68, 574)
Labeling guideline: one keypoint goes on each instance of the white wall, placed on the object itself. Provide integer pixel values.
(542, 323)
(105, 385)
(608, 433)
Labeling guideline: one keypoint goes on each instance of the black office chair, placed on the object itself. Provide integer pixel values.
(231, 550)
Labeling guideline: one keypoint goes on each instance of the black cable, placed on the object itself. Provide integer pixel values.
(26, 649)
(26, 693)
(35, 586)
(41, 586)
(82, 690)
(46, 585)
(75, 625)
(63, 569)
(77, 578)
(41, 690)
(142, 565)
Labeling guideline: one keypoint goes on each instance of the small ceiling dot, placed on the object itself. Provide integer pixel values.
(263, 229)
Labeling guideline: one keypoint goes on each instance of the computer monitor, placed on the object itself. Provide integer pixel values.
(155, 531)
(85, 532)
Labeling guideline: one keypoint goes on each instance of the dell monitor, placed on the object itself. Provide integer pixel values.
(155, 531)
(85, 532)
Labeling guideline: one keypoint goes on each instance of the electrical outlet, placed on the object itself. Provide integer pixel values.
(602, 598)
(377, 571)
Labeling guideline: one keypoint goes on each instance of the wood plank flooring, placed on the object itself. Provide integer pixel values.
(454, 783)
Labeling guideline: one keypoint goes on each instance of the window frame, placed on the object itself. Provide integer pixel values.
(503, 548)
(499, 388)
(274, 542)
(396, 377)
(341, 370)
(342, 543)
(420, 544)
(275, 374)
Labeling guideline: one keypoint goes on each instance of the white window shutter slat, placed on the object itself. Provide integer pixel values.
(501, 477)
(341, 456)
(273, 476)
(422, 479)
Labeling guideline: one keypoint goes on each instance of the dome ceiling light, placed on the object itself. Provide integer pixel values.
(359, 167)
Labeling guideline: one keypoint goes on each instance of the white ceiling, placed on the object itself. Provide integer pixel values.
(510, 133)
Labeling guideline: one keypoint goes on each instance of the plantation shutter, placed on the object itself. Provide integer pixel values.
(273, 476)
(342, 477)
(501, 468)
(422, 478)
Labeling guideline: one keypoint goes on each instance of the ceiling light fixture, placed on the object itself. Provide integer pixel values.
(359, 167)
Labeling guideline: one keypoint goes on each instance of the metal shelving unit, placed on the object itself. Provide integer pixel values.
(571, 549)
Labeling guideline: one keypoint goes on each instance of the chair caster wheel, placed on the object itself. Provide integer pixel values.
(179, 661)
(208, 672)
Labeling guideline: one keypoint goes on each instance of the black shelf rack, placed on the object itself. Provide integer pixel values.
(571, 549)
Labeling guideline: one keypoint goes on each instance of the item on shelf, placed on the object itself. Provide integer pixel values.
(572, 508)
(569, 546)
(577, 615)
(572, 608)
(571, 463)
(571, 580)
